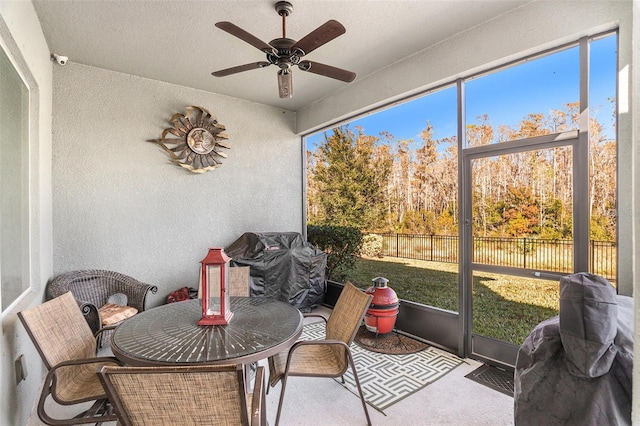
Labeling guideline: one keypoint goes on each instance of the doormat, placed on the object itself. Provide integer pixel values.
(389, 343)
(494, 378)
(386, 379)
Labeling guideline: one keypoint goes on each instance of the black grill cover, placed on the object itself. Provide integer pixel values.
(283, 266)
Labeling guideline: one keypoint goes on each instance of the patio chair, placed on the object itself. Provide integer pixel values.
(67, 347)
(194, 395)
(105, 297)
(329, 357)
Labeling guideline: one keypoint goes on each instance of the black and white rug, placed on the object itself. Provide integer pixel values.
(387, 379)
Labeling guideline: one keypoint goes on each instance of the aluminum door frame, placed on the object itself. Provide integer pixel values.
(482, 347)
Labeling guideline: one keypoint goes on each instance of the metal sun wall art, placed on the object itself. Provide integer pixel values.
(200, 140)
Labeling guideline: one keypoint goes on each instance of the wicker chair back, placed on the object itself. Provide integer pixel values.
(94, 288)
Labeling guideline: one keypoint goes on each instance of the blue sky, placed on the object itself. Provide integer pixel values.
(507, 96)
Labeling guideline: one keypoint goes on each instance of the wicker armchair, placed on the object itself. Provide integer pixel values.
(67, 347)
(329, 357)
(94, 288)
(193, 395)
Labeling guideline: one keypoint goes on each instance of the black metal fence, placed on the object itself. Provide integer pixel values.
(530, 253)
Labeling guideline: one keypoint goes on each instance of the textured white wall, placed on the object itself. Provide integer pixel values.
(119, 203)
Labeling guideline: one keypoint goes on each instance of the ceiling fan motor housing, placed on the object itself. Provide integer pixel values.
(284, 58)
(284, 8)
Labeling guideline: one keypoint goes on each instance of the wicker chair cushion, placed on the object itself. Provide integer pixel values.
(111, 313)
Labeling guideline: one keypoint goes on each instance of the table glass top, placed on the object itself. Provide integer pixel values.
(169, 334)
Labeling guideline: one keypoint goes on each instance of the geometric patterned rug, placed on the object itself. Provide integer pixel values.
(387, 379)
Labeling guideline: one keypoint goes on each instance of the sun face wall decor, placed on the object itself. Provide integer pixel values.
(200, 140)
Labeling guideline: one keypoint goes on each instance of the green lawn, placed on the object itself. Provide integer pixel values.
(504, 307)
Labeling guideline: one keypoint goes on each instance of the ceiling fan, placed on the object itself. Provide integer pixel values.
(285, 52)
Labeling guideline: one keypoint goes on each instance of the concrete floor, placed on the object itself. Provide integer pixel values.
(452, 400)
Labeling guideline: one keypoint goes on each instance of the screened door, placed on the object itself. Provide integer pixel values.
(526, 190)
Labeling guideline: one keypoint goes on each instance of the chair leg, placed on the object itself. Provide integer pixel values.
(249, 370)
(263, 407)
(355, 376)
(284, 384)
(271, 383)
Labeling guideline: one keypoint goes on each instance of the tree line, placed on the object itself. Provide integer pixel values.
(384, 184)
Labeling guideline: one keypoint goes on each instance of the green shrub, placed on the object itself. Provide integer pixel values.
(342, 245)
(371, 245)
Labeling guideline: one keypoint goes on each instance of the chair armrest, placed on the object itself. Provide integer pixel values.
(52, 385)
(73, 362)
(96, 360)
(105, 328)
(137, 292)
(91, 314)
(315, 316)
(317, 342)
(258, 415)
(86, 307)
(98, 335)
(302, 343)
(299, 347)
(49, 379)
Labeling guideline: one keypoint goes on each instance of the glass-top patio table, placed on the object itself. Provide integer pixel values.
(169, 334)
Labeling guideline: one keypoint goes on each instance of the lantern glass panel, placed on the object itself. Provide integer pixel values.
(214, 280)
(227, 304)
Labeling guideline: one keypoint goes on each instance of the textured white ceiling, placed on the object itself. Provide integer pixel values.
(176, 41)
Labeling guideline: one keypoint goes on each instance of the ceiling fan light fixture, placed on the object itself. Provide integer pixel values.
(285, 84)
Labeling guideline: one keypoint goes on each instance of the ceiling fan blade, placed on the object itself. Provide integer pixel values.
(327, 71)
(240, 68)
(321, 35)
(245, 36)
